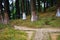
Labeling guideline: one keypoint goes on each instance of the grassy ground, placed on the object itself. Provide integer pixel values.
(9, 33)
(58, 38)
(48, 18)
(55, 36)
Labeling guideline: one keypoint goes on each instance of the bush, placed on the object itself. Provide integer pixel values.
(51, 9)
(49, 19)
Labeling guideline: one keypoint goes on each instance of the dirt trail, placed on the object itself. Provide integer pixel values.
(40, 34)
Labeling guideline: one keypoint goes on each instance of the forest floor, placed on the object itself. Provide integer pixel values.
(46, 27)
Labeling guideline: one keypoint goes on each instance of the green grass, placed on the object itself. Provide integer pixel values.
(55, 23)
(48, 18)
(2, 26)
(52, 21)
(58, 38)
(27, 23)
(9, 33)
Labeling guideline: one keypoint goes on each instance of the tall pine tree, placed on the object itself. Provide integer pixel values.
(6, 11)
(1, 18)
(33, 10)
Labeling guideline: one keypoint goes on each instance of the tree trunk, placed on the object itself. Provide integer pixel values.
(58, 8)
(58, 4)
(39, 9)
(33, 10)
(17, 9)
(1, 18)
(28, 7)
(23, 11)
(44, 6)
(6, 11)
(51, 3)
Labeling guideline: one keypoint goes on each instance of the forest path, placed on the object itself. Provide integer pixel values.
(40, 33)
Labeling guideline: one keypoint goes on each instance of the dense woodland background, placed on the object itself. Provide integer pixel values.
(14, 9)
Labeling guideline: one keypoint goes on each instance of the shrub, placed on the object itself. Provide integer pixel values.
(51, 9)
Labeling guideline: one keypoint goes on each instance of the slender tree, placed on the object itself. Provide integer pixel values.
(33, 10)
(44, 5)
(58, 8)
(22, 5)
(6, 11)
(51, 3)
(23, 10)
(58, 4)
(17, 9)
(1, 18)
(39, 9)
(27, 7)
